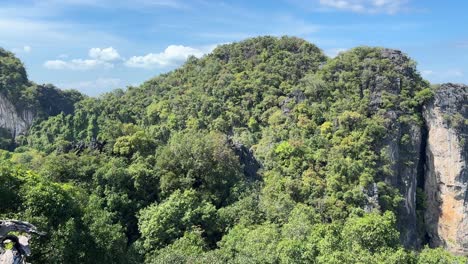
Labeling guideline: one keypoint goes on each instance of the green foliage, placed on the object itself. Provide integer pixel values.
(201, 161)
(139, 142)
(439, 256)
(27, 99)
(12, 74)
(259, 152)
(161, 224)
(184, 250)
(255, 244)
(10, 183)
(372, 232)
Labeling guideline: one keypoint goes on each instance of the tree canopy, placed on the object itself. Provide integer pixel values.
(259, 152)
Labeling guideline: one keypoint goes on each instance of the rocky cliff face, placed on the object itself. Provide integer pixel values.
(13, 80)
(432, 158)
(15, 121)
(405, 159)
(446, 171)
(402, 143)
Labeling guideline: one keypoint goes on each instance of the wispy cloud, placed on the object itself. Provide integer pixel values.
(135, 5)
(94, 87)
(17, 28)
(365, 6)
(77, 65)
(100, 58)
(173, 55)
(51, 33)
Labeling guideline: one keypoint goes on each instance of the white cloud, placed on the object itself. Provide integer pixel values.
(105, 54)
(77, 64)
(173, 55)
(366, 6)
(100, 58)
(27, 49)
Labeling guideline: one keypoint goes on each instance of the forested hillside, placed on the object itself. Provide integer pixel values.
(22, 102)
(263, 151)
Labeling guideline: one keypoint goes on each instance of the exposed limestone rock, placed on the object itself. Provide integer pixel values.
(15, 121)
(402, 143)
(446, 175)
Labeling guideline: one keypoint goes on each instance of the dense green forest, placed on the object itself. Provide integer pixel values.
(263, 151)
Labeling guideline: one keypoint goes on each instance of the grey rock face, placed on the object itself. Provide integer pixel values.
(404, 158)
(402, 143)
(7, 226)
(17, 122)
(247, 159)
(446, 172)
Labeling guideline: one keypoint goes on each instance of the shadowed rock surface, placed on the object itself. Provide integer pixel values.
(403, 154)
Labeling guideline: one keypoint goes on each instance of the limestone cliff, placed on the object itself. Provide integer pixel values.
(446, 173)
(402, 142)
(13, 81)
(22, 101)
(14, 120)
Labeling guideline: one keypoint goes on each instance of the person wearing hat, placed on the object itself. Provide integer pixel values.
(11, 254)
(13, 249)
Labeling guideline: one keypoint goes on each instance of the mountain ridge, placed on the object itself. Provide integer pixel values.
(254, 136)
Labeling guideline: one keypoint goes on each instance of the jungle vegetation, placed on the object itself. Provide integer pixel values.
(258, 152)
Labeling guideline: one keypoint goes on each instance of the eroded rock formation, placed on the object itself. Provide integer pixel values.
(15, 121)
(402, 143)
(446, 174)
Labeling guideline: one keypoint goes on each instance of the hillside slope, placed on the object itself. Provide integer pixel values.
(264, 151)
(22, 102)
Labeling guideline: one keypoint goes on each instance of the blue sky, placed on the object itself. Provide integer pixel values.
(96, 46)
